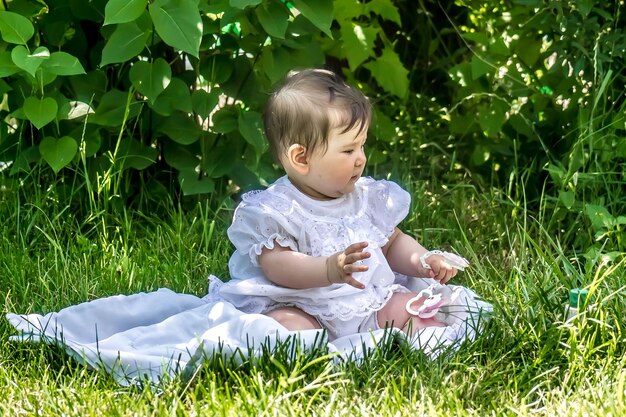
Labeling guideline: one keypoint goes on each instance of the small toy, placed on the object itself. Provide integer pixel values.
(452, 259)
(434, 297)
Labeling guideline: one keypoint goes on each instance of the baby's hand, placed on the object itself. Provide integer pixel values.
(341, 265)
(440, 270)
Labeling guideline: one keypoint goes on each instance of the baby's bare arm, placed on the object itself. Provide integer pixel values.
(291, 269)
(403, 254)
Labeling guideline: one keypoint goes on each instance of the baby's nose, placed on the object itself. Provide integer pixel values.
(361, 158)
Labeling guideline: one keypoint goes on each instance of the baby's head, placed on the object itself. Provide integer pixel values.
(307, 106)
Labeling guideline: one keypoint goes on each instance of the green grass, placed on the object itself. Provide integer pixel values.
(527, 362)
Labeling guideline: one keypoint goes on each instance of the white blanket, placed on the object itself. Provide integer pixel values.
(162, 333)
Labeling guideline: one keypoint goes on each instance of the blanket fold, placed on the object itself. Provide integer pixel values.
(159, 334)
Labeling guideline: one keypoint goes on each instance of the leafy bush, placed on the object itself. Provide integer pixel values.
(116, 98)
(534, 102)
(117, 103)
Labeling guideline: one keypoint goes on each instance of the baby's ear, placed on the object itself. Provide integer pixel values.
(297, 158)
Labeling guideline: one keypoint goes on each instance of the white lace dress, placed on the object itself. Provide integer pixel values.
(283, 215)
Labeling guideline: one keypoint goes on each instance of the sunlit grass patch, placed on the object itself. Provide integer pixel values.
(528, 360)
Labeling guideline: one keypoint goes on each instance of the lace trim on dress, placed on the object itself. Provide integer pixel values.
(268, 243)
(360, 306)
(325, 309)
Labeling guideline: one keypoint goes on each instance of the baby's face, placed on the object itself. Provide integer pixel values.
(334, 172)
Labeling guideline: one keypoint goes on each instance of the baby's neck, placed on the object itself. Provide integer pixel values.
(308, 191)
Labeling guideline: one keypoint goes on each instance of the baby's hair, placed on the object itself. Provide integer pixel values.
(307, 105)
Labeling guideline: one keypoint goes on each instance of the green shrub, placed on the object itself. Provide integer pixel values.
(534, 103)
(131, 102)
(118, 103)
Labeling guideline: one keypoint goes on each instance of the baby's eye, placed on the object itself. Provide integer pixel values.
(349, 152)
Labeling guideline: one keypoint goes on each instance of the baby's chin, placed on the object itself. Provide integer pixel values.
(332, 194)
(348, 189)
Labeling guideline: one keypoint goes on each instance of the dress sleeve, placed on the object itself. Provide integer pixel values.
(256, 226)
(390, 205)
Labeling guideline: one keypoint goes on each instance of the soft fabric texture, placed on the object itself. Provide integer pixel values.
(162, 333)
(283, 215)
(151, 336)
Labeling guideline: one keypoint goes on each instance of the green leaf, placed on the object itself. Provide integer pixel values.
(557, 173)
(528, 50)
(175, 97)
(584, 6)
(499, 48)
(89, 87)
(132, 154)
(461, 73)
(123, 11)
(24, 159)
(180, 157)
(43, 78)
(243, 176)
(40, 111)
(29, 8)
(150, 79)
(91, 139)
(318, 12)
(480, 155)
(274, 18)
(7, 67)
(479, 67)
(275, 62)
(217, 68)
(383, 127)
(62, 63)
(389, 73)
(521, 125)
(112, 108)
(15, 28)
(461, 124)
(576, 159)
(244, 83)
(56, 27)
(220, 159)
(492, 118)
(225, 120)
(58, 153)
(358, 42)
(385, 9)
(600, 217)
(178, 23)
(530, 3)
(88, 9)
(251, 128)
(567, 199)
(126, 42)
(27, 62)
(203, 102)
(181, 128)
(193, 183)
(4, 88)
(478, 37)
(242, 4)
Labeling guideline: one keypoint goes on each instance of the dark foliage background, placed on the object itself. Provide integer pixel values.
(153, 104)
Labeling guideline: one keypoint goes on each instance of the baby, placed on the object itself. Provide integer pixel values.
(320, 247)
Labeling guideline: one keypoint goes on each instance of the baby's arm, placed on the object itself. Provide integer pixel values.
(403, 254)
(291, 269)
